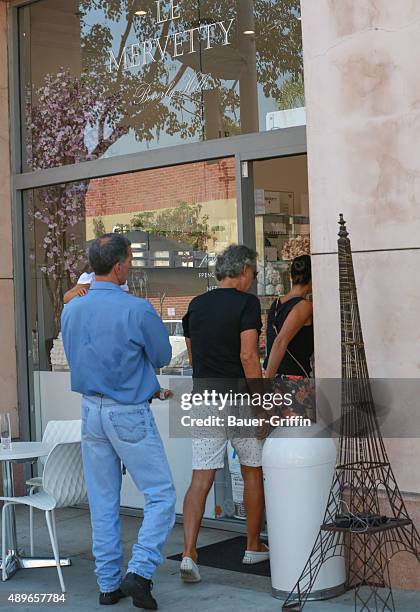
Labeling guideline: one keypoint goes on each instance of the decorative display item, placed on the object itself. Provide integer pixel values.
(272, 202)
(271, 253)
(181, 360)
(5, 432)
(354, 525)
(58, 356)
(269, 279)
(301, 245)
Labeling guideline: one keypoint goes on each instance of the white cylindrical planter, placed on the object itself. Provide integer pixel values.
(298, 473)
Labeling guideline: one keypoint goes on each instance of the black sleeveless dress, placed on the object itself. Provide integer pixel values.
(293, 373)
(297, 360)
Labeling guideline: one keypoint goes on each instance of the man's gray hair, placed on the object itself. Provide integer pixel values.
(106, 251)
(232, 261)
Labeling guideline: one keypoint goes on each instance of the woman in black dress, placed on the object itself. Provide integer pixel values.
(290, 340)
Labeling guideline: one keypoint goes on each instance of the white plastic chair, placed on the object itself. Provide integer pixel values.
(62, 485)
(55, 431)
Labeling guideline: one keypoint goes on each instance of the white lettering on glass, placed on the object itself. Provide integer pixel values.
(145, 93)
(226, 31)
(174, 44)
(178, 51)
(171, 15)
(147, 51)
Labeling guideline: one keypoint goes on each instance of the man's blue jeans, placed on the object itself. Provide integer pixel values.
(113, 433)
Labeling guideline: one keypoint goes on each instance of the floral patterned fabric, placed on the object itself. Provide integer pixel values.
(303, 392)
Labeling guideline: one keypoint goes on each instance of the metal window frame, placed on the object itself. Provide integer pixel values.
(247, 147)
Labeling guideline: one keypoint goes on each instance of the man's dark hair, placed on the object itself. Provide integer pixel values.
(106, 251)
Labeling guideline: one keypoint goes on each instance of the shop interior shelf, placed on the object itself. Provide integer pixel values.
(285, 215)
(275, 234)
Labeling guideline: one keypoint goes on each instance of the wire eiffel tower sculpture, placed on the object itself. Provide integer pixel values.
(353, 526)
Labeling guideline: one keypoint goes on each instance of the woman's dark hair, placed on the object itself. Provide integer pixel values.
(106, 251)
(301, 271)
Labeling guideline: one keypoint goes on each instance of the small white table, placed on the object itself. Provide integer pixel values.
(21, 452)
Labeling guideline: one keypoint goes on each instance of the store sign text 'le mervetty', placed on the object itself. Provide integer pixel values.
(176, 44)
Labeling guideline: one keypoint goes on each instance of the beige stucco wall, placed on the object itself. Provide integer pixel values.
(8, 391)
(363, 102)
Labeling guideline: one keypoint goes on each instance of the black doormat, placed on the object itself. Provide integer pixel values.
(228, 555)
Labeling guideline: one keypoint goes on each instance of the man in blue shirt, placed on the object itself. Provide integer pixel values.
(113, 342)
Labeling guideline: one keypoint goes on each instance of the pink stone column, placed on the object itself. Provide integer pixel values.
(361, 60)
(8, 379)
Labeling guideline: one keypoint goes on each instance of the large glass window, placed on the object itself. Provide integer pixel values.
(103, 78)
(177, 218)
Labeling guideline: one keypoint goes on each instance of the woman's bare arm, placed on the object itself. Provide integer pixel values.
(77, 291)
(188, 343)
(249, 354)
(297, 318)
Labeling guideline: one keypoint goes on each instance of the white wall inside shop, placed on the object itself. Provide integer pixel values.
(57, 402)
(285, 174)
(363, 129)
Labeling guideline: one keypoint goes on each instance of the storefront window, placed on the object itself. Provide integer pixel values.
(282, 228)
(178, 219)
(105, 78)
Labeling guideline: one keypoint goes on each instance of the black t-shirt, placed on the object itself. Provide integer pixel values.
(214, 323)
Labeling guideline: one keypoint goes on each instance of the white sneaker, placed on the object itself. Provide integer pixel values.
(251, 557)
(189, 570)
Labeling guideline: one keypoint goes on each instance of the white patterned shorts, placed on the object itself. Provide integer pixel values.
(209, 443)
(209, 453)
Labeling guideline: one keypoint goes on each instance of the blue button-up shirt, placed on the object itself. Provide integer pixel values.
(113, 343)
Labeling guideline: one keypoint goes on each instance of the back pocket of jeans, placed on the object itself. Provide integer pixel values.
(129, 426)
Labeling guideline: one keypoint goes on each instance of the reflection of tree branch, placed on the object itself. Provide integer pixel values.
(120, 129)
(101, 129)
(179, 75)
(123, 43)
(182, 108)
(105, 143)
(47, 279)
(101, 146)
(153, 67)
(162, 297)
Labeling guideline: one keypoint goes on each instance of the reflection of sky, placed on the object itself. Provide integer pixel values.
(128, 144)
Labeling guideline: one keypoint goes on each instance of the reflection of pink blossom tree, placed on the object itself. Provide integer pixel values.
(60, 208)
(64, 115)
(66, 111)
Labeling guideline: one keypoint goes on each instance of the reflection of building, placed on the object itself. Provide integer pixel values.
(211, 150)
(167, 273)
(210, 186)
(186, 245)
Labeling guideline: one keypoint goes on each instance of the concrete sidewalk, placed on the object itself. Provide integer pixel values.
(219, 591)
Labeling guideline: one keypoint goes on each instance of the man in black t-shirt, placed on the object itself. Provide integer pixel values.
(213, 326)
(222, 329)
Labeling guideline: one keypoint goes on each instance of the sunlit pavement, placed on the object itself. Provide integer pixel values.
(219, 590)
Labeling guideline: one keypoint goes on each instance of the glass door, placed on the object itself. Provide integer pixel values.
(273, 219)
(281, 223)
